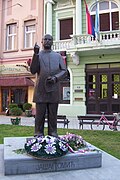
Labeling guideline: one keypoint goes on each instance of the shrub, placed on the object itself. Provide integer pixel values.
(16, 111)
(27, 106)
(13, 105)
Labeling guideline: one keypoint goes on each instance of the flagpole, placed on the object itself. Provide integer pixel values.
(97, 22)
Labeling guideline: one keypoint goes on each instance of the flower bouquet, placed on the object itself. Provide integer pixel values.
(74, 142)
(46, 147)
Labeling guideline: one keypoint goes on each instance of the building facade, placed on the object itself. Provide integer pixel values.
(93, 62)
(21, 25)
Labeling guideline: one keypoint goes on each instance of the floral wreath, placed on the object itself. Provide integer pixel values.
(48, 147)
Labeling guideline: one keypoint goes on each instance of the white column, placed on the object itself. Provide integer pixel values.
(78, 17)
(49, 17)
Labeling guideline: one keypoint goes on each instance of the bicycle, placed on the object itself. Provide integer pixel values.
(99, 124)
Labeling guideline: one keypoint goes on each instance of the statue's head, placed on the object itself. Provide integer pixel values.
(47, 41)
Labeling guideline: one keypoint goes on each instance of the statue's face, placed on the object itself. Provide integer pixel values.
(47, 41)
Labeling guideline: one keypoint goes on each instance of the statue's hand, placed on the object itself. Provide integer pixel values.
(52, 79)
(36, 48)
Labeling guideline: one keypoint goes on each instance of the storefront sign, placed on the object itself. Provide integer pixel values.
(13, 69)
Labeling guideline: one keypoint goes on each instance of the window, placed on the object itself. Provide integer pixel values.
(19, 95)
(11, 37)
(108, 15)
(29, 34)
(66, 28)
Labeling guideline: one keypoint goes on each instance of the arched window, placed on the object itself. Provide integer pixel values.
(108, 15)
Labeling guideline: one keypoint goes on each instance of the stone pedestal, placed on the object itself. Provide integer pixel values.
(15, 163)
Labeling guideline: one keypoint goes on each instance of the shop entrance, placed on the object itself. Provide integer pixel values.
(103, 88)
(13, 95)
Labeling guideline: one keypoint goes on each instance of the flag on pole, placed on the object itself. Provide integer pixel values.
(97, 22)
(90, 26)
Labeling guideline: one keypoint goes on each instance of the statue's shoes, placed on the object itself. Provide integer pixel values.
(53, 134)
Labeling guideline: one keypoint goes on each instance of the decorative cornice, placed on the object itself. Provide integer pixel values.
(12, 21)
(30, 17)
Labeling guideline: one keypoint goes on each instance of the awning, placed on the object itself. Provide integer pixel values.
(16, 81)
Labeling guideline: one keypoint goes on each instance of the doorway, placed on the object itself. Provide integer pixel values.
(103, 89)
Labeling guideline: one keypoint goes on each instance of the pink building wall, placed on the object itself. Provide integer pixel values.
(12, 11)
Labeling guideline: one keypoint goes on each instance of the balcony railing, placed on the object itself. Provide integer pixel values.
(84, 41)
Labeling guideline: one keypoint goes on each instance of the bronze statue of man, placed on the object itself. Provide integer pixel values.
(50, 69)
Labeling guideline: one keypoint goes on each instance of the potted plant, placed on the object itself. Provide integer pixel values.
(27, 107)
(16, 112)
(12, 105)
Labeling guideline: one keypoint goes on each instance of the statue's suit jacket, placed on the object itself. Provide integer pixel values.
(45, 64)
